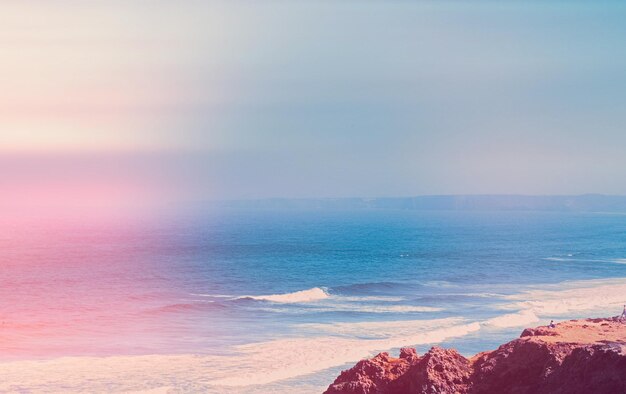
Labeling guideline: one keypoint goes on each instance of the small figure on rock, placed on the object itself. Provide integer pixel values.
(622, 317)
(551, 325)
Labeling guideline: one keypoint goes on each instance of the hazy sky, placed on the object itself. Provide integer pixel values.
(150, 101)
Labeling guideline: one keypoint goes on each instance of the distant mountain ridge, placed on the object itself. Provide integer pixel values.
(575, 203)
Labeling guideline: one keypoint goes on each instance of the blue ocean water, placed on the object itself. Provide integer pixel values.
(208, 282)
(433, 259)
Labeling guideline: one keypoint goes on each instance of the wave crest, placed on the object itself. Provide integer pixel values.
(301, 296)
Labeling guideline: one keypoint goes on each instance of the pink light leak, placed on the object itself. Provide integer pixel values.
(98, 184)
(81, 288)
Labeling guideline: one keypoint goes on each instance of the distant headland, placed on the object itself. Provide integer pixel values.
(470, 202)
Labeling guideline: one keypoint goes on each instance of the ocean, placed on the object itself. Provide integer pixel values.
(282, 300)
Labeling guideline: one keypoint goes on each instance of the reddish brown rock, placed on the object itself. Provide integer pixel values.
(373, 375)
(520, 366)
(539, 331)
(578, 356)
(438, 371)
(409, 354)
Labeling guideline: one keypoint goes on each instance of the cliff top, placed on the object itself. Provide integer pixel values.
(583, 332)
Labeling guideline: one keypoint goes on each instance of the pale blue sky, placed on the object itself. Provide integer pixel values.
(318, 98)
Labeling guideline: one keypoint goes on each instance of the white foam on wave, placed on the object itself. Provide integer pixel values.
(301, 296)
(338, 302)
(603, 295)
(312, 294)
(519, 319)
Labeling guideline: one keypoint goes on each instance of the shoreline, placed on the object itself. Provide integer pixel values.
(335, 345)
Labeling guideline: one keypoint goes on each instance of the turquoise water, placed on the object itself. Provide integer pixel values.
(204, 283)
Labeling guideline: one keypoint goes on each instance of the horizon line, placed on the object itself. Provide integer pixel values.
(243, 199)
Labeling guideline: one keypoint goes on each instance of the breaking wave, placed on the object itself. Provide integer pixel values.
(607, 295)
(314, 294)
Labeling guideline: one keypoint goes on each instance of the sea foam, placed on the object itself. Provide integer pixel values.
(603, 295)
(301, 296)
(300, 356)
(329, 345)
(252, 364)
(522, 318)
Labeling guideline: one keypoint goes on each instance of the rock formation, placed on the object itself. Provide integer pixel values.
(578, 356)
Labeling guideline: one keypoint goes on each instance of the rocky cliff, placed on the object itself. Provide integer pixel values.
(578, 356)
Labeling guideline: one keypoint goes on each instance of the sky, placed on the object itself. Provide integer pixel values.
(116, 103)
